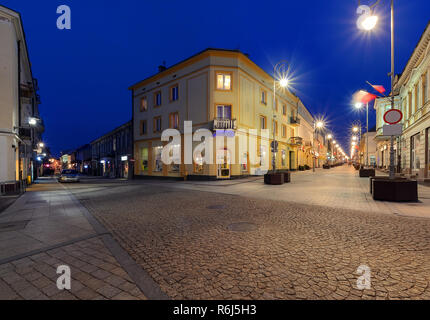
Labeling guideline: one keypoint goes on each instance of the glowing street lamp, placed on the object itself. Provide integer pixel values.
(32, 121)
(369, 23)
(318, 125)
(280, 70)
(284, 82)
(41, 145)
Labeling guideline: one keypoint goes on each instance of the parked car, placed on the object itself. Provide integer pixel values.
(69, 175)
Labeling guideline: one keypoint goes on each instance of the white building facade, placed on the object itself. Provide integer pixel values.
(18, 104)
(412, 90)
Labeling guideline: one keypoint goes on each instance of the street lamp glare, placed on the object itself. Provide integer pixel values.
(355, 129)
(32, 121)
(358, 105)
(284, 82)
(320, 124)
(369, 23)
(41, 144)
(329, 136)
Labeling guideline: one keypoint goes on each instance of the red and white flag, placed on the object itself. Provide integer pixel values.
(378, 88)
(364, 97)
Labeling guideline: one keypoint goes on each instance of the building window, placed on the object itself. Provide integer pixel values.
(143, 104)
(283, 157)
(263, 97)
(292, 133)
(143, 127)
(244, 164)
(263, 123)
(223, 81)
(174, 120)
(223, 112)
(174, 93)
(157, 98)
(263, 156)
(198, 162)
(176, 149)
(415, 147)
(276, 105)
(158, 164)
(416, 99)
(284, 131)
(157, 124)
(144, 161)
(425, 89)
(284, 109)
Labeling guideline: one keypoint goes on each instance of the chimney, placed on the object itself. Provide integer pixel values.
(161, 68)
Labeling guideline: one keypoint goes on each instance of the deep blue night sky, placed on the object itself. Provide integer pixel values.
(84, 73)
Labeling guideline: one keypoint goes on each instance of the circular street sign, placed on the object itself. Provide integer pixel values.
(393, 116)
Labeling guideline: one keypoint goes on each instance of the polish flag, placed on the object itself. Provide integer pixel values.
(378, 88)
(364, 97)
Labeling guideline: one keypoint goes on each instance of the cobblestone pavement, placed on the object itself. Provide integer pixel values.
(96, 275)
(338, 187)
(208, 245)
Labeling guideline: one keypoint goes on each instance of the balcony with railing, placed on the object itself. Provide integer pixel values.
(294, 121)
(224, 124)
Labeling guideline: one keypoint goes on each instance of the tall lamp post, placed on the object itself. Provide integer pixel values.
(280, 71)
(359, 105)
(356, 129)
(368, 23)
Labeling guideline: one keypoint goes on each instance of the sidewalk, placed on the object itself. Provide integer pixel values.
(47, 227)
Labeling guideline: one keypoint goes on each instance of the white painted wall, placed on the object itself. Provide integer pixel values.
(8, 99)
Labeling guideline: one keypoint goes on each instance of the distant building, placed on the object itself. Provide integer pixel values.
(368, 146)
(226, 93)
(305, 132)
(83, 159)
(112, 153)
(20, 123)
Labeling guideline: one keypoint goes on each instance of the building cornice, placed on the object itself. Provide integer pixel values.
(418, 55)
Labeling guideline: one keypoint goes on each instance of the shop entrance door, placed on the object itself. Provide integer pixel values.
(223, 164)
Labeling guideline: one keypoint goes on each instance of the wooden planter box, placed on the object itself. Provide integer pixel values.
(382, 178)
(274, 178)
(395, 190)
(366, 173)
